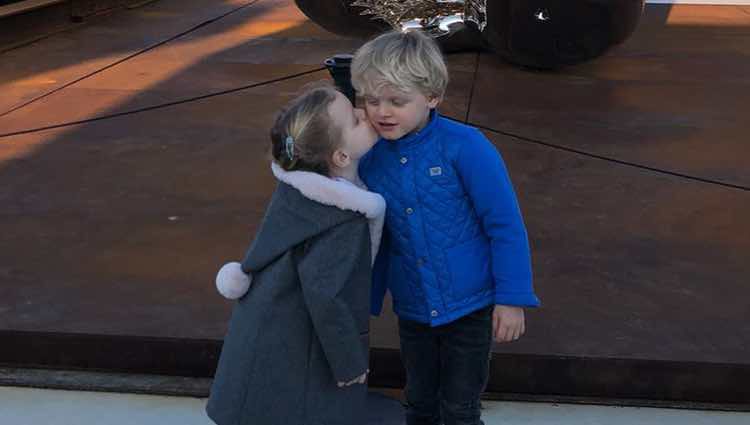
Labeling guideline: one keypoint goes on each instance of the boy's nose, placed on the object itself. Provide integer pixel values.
(383, 110)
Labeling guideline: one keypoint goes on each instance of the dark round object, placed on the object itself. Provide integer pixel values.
(468, 39)
(543, 34)
(339, 17)
(549, 34)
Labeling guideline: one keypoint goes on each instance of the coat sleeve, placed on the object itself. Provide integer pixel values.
(380, 275)
(486, 181)
(332, 261)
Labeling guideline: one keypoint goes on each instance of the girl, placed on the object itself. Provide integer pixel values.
(296, 352)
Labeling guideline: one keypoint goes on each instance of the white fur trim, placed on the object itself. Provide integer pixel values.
(342, 194)
(232, 282)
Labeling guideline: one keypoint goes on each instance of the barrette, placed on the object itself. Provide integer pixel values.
(289, 144)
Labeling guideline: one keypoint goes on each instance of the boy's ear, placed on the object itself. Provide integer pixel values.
(434, 101)
(341, 159)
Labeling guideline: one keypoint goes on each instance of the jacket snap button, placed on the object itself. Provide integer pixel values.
(409, 210)
(420, 262)
(434, 313)
(404, 160)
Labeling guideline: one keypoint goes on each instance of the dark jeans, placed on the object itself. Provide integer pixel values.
(446, 369)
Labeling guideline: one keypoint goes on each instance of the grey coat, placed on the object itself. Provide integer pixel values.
(303, 325)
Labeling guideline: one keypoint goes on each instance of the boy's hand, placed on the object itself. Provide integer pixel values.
(358, 380)
(508, 323)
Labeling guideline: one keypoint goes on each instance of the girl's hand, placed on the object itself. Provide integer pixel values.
(358, 380)
(508, 323)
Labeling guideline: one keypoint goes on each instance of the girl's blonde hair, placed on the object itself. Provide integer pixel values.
(406, 61)
(304, 137)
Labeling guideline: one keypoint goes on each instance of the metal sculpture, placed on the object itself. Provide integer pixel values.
(533, 33)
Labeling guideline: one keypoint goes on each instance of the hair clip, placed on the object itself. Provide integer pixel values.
(289, 144)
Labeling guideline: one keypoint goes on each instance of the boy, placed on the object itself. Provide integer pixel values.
(455, 254)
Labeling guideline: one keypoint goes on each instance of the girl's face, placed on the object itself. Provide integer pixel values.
(357, 133)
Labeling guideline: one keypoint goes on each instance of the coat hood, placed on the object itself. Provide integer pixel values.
(306, 204)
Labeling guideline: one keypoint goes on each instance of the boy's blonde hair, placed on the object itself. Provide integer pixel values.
(405, 61)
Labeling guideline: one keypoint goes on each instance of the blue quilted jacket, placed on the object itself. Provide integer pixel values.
(454, 240)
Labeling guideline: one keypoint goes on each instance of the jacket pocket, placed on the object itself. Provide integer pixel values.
(446, 182)
(470, 271)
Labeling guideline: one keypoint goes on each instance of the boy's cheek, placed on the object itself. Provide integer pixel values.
(367, 111)
(371, 119)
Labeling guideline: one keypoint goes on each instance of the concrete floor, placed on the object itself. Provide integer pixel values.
(25, 406)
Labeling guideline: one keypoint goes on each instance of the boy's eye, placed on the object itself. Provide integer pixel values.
(373, 102)
(399, 101)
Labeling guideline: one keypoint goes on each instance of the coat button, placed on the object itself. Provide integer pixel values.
(434, 313)
(420, 262)
(409, 211)
(404, 160)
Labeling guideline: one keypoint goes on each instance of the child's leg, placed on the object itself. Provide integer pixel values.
(420, 352)
(464, 352)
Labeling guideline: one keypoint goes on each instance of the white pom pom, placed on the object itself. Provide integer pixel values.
(232, 282)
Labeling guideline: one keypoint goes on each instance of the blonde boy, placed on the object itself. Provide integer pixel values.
(455, 254)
